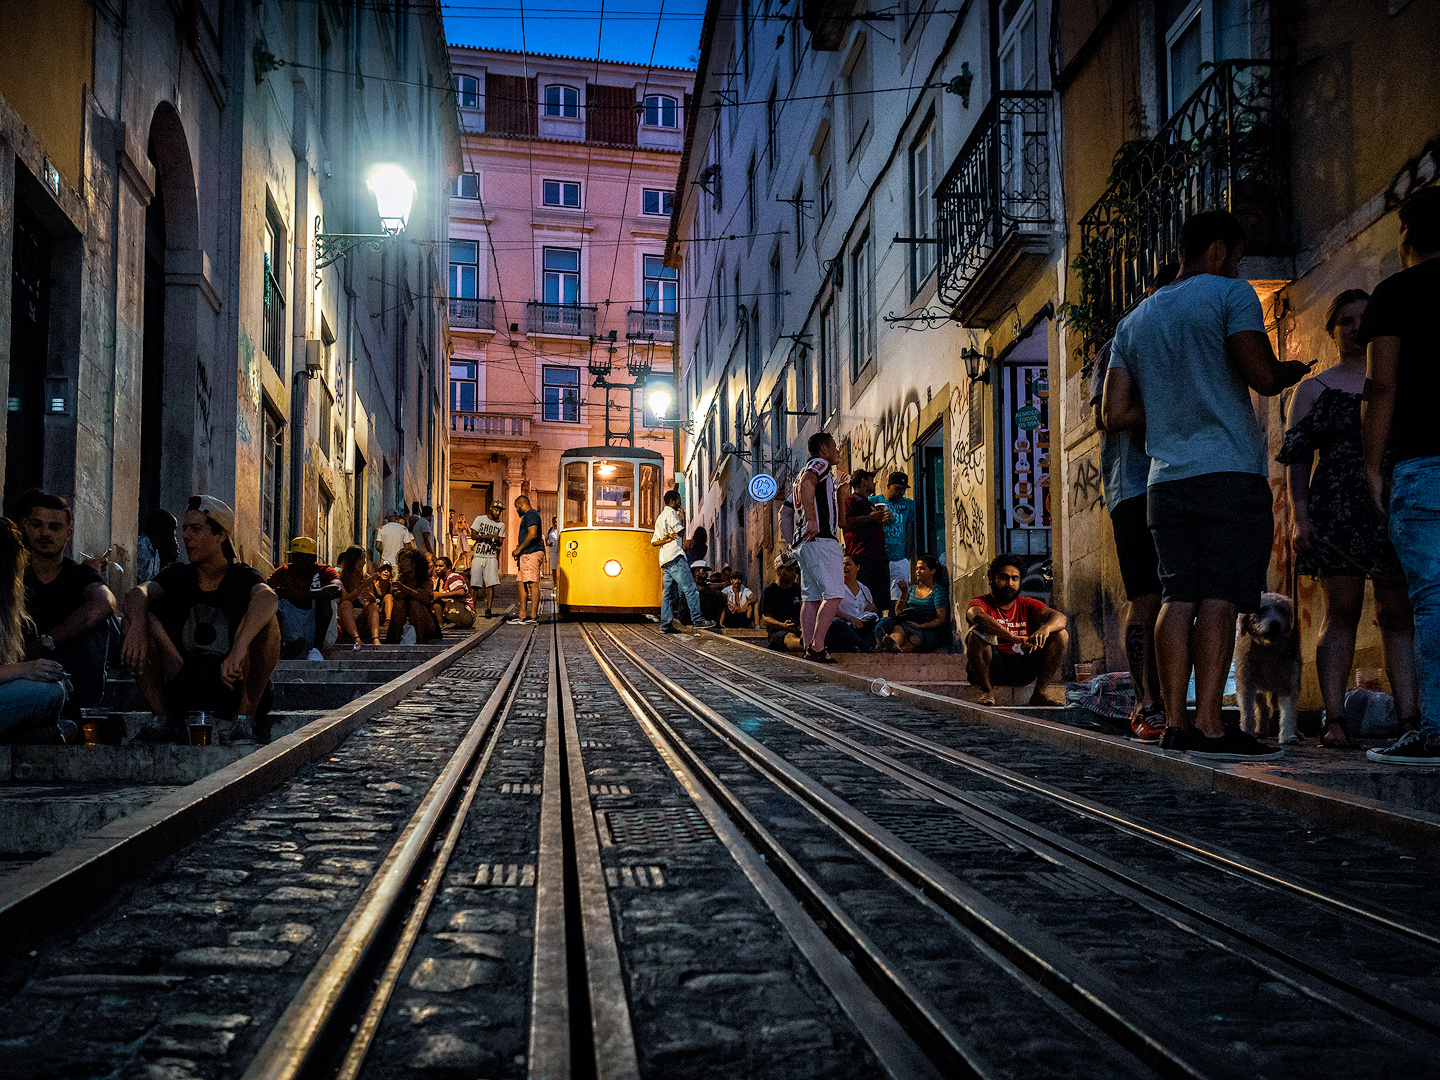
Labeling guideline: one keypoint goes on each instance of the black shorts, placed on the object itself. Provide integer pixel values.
(875, 575)
(1014, 669)
(1213, 534)
(1135, 547)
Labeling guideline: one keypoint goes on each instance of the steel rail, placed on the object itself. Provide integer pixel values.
(1201, 852)
(315, 1013)
(1031, 949)
(1373, 1002)
(802, 906)
(613, 1037)
(549, 1044)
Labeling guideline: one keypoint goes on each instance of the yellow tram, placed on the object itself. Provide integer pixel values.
(610, 497)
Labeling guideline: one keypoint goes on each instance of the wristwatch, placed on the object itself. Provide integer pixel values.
(47, 643)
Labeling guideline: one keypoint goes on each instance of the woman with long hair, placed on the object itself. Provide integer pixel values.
(414, 592)
(32, 692)
(922, 615)
(1337, 534)
(358, 607)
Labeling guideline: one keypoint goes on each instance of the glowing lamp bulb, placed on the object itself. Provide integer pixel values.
(394, 193)
(659, 401)
(606, 469)
(612, 568)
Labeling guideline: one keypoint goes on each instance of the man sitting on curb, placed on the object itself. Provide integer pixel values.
(453, 602)
(68, 601)
(780, 605)
(1013, 639)
(307, 590)
(203, 634)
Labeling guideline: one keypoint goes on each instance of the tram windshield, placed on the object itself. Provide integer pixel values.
(614, 492)
(577, 493)
(620, 498)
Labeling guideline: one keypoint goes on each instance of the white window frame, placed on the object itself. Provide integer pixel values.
(862, 314)
(474, 92)
(458, 185)
(559, 403)
(473, 380)
(667, 305)
(660, 107)
(922, 206)
(661, 195)
(562, 109)
(562, 189)
(457, 280)
(561, 276)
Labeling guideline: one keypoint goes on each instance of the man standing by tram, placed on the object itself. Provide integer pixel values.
(674, 567)
(817, 547)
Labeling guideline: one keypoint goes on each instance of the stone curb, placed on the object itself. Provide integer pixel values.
(1415, 829)
(76, 877)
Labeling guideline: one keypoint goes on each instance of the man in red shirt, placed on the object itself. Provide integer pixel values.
(307, 589)
(865, 538)
(1013, 639)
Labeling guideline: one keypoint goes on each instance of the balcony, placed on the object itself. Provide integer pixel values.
(560, 320)
(650, 325)
(472, 314)
(1223, 149)
(995, 213)
(487, 425)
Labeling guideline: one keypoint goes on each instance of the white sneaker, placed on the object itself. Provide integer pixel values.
(315, 654)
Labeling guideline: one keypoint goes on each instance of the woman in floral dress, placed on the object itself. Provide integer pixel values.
(1337, 535)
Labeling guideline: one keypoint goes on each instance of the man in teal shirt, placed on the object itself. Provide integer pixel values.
(899, 531)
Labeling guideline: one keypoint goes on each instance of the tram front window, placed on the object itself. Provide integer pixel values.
(577, 493)
(614, 492)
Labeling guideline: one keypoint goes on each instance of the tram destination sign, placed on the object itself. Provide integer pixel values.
(763, 487)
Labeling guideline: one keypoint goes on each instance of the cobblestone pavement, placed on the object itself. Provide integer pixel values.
(184, 973)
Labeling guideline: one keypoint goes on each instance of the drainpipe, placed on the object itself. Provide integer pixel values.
(302, 292)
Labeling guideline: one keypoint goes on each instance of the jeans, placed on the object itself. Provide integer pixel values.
(84, 661)
(1415, 532)
(677, 572)
(26, 703)
(842, 638)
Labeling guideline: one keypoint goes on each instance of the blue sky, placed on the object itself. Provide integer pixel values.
(575, 28)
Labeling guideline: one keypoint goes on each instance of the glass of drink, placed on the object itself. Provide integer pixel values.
(201, 727)
(92, 725)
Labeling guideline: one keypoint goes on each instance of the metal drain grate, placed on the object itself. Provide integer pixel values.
(669, 826)
(936, 833)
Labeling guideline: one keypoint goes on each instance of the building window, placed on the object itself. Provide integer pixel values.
(660, 285)
(466, 186)
(463, 386)
(826, 199)
(1199, 33)
(562, 276)
(660, 111)
(561, 193)
(862, 329)
(745, 38)
(777, 422)
(467, 91)
(859, 102)
(772, 123)
(738, 303)
(562, 100)
(1017, 50)
(798, 200)
(777, 296)
(271, 478)
(324, 404)
(922, 207)
(752, 209)
(804, 379)
(562, 394)
(756, 354)
(464, 269)
(658, 202)
(721, 299)
(274, 296)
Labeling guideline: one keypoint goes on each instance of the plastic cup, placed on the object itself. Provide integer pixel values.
(881, 688)
(92, 725)
(201, 729)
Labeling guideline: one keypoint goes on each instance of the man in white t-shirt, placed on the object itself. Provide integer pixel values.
(488, 533)
(674, 567)
(739, 603)
(391, 539)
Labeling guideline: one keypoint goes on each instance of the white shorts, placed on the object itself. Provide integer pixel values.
(484, 571)
(899, 571)
(822, 570)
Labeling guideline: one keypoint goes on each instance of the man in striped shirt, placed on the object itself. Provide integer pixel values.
(817, 547)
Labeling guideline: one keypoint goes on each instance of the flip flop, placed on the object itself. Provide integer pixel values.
(985, 699)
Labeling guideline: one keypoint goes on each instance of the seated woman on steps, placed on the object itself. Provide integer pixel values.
(32, 693)
(922, 615)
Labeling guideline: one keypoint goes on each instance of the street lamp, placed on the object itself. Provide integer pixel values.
(658, 397)
(394, 193)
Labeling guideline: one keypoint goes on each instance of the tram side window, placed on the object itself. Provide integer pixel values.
(577, 493)
(649, 508)
(614, 492)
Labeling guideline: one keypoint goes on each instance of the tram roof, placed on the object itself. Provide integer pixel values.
(577, 452)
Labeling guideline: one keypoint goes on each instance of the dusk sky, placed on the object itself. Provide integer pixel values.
(628, 32)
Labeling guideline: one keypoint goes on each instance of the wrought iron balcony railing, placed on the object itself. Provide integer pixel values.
(997, 190)
(472, 314)
(650, 325)
(570, 320)
(481, 425)
(1222, 150)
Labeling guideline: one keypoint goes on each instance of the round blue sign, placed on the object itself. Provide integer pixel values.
(763, 487)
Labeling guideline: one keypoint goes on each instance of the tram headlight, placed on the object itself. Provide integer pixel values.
(612, 568)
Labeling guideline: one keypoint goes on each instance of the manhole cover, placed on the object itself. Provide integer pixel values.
(669, 826)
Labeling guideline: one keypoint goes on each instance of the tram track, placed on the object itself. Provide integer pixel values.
(1326, 983)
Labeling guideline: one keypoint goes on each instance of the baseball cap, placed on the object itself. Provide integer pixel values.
(215, 510)
(785, 558)
(899, 478)
(699, 564)
(303, 545)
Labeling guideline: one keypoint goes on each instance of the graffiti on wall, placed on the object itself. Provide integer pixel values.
(885, 444)
(967, 483)
(248, 371)
(202, 405)
(1086, 492)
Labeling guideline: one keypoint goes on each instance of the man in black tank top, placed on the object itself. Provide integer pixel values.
(817, 546)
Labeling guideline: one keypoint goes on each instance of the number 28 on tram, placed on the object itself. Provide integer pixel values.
(605, 564)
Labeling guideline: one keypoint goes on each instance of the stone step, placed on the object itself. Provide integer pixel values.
(905, 667)
(36, 819)
(125, 696)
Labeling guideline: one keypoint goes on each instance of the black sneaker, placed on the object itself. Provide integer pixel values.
(1412, 748)
(669, 628)
(1176, 739)
(1232, 746)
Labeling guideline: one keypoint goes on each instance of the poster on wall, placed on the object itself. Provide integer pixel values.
(1026, 448)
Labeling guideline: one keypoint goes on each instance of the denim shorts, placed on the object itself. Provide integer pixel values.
(1213, 534)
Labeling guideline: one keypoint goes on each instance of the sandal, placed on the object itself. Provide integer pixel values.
(987, 698)
(819, 657)
(1340, 741)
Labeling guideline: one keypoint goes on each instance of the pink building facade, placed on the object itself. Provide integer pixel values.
(557, 235)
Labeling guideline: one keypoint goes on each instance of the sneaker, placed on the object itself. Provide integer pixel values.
(821, 657)
(242, 732)
(1233, 746)
(1149, 726)
(1175, 739)
(1412, 748)
(315, 654)
(68, 732)
(669, 628)
(701, 624)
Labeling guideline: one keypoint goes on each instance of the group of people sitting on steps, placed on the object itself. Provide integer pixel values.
(202, 633)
